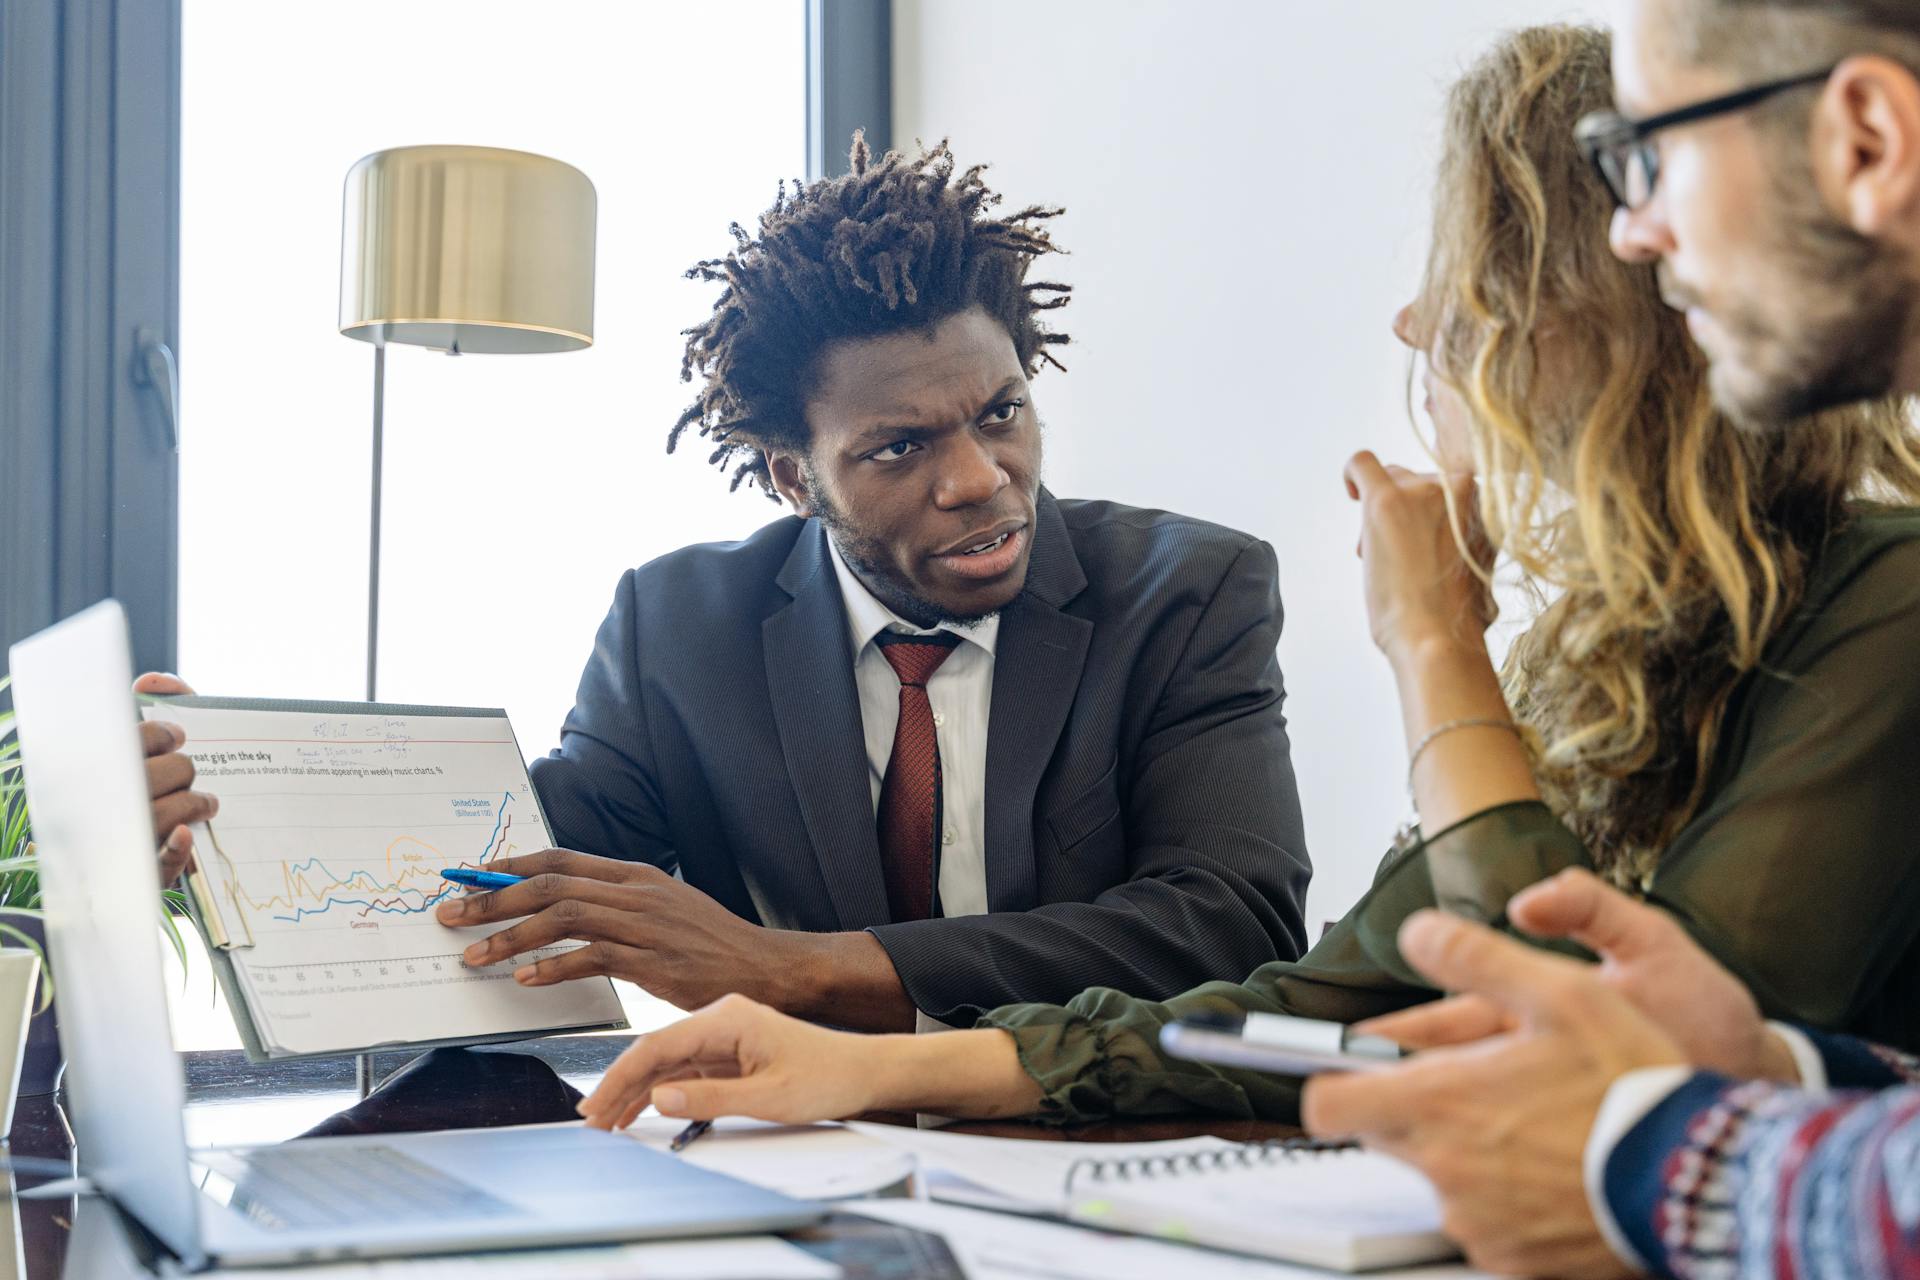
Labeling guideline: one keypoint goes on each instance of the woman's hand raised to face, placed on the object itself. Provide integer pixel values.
(1420, 588)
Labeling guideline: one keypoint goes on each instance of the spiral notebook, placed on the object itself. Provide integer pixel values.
(1323, 1205)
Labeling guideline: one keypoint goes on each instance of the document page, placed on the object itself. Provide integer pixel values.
(322, 869)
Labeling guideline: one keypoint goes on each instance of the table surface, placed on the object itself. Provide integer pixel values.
(232, 1101)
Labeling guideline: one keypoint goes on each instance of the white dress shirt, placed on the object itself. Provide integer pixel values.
(961, 693)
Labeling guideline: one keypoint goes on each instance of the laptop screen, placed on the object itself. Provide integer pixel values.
(87, 797)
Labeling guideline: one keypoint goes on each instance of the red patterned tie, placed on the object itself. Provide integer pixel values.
(909, 813)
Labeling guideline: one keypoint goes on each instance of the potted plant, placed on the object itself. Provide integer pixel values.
(20, 916)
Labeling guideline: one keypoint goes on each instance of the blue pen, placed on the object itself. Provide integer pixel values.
(480, 879)
(693, 1132)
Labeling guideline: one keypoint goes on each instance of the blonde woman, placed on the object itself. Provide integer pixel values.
(1718, 709)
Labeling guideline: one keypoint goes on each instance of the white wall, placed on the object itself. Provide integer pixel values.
(1246, 187)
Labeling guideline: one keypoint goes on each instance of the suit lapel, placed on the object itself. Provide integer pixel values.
(1036, 674)
(817, 711)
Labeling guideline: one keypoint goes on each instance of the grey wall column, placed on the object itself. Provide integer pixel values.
(849, 80)
(89, 313)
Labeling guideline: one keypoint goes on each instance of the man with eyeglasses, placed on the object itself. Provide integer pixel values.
(1597, 1121)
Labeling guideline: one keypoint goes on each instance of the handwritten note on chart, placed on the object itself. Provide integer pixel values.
(322, 869)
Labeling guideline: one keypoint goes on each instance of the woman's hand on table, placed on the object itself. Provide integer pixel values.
(737, 1057)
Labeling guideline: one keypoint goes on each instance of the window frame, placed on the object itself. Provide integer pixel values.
(849, 80)
(89, 310)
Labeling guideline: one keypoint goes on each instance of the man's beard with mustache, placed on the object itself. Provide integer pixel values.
(867, 557)
(1849, 303)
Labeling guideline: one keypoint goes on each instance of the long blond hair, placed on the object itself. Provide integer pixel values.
(1667, 546)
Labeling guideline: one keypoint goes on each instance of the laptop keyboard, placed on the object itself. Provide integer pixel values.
(321, 1185)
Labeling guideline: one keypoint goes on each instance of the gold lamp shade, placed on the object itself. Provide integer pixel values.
(468, 249)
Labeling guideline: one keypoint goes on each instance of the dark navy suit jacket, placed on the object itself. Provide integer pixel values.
(1142, 825)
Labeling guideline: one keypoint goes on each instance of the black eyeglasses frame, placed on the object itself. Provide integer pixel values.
(1608, 132)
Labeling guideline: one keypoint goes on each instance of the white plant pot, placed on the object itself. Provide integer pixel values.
(19, 978)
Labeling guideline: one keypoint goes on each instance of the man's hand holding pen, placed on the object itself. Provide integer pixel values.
(637, 921)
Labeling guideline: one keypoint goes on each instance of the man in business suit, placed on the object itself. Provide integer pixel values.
(937, 741)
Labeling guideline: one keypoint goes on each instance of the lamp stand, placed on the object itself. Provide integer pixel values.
(506, 267)
(373, 539)
(363, 1063)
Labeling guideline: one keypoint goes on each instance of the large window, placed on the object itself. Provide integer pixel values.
(518, 488)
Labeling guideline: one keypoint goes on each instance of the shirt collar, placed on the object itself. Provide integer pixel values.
(867, 617)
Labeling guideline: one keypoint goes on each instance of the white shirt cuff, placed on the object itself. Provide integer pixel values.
(1627, 1103)
(1806, 1058)
(1636, 1093)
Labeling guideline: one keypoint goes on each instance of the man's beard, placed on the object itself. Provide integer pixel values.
(1848, 302)
(867, 557)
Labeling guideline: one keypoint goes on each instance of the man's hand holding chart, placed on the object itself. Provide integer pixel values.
(319, 876)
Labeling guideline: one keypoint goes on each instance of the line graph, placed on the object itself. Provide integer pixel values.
(323, 865)
(408, 882)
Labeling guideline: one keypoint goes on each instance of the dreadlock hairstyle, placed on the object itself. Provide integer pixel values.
(894, 245)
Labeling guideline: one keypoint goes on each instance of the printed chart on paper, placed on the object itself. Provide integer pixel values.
(323, 865)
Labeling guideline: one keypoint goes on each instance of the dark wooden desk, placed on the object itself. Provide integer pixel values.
(231, 1101)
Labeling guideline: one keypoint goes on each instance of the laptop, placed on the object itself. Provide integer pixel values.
(309, 1199)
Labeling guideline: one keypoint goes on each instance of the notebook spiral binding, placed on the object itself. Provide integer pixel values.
(1246, 1155)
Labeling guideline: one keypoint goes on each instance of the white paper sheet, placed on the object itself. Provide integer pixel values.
(808, 1162)
(999, 1246)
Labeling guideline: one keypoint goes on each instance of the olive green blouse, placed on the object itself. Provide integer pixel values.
(1800, 872)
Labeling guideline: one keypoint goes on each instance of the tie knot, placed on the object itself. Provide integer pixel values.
(915, 658)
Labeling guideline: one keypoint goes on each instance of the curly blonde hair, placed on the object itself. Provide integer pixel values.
(1665, 545)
